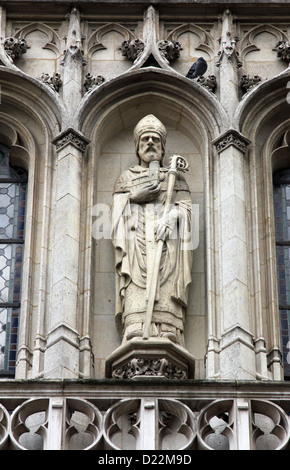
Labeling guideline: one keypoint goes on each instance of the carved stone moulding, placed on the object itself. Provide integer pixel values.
(71, 137)
(231, 137)
(152, 358)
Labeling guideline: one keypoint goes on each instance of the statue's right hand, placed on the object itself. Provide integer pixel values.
(147, 193)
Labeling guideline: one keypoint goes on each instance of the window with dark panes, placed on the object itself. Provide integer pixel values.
(13, 186)
(281, 182)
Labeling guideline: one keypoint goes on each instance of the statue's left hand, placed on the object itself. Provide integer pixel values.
(167, 224)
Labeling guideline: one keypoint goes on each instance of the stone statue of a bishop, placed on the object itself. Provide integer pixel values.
(138, 225)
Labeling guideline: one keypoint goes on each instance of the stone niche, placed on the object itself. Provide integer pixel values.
(115, 152)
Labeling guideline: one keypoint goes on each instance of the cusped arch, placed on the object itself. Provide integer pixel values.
(263, 117)
(19, 90)
(205, 40)
(53, 39)
(248, 43)
(96, 38)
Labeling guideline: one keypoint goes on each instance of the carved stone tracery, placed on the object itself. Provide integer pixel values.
(65, 423)
(132, 49)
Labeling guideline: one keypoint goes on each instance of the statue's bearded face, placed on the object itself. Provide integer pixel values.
(150, 147)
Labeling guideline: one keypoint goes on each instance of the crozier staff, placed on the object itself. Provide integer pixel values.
(138, 222)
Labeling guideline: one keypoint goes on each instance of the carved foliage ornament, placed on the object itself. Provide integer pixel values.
(15, 47)
(169, 50)
(283, 50)
(248, 82)
(149, 367)
(53, 81)
(132, 49)
(71, 137)
(210, 82)
(92, 81)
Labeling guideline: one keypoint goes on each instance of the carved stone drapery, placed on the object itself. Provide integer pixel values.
(149, 368)
(170, 50)
(153, 304)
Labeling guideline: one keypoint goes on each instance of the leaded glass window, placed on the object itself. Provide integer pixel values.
(282, 226)
(13, 185)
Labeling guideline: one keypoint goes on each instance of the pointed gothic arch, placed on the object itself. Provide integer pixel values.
(30, 117)
(265, 122)
(107, 117)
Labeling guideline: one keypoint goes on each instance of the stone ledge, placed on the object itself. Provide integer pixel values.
(152, 358)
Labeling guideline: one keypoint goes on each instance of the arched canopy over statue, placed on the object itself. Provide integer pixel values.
(152, 212)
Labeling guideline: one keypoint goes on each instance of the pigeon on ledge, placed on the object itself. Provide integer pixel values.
(197, 69)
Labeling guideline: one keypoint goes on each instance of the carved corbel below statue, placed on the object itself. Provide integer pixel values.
(210, 82)
(248, 82)
(92, 81)
(155, 358)
(53, 81)
(283, 50)
(15, 47)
